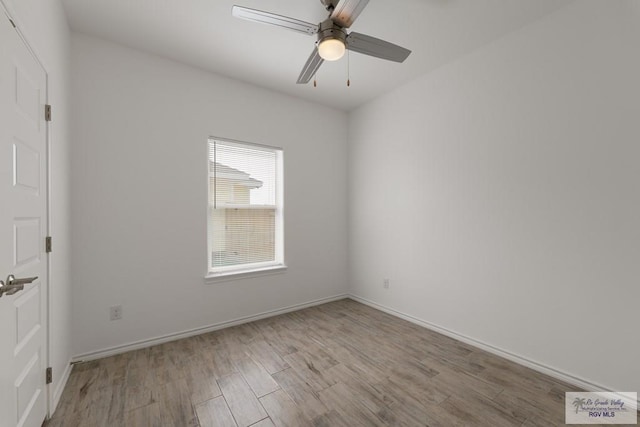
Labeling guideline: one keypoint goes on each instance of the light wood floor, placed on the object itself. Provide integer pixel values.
(338, 364)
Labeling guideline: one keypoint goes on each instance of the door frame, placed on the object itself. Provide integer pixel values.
(7, 9)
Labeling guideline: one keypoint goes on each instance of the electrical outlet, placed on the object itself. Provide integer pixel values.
(115, 312)
(385, 283)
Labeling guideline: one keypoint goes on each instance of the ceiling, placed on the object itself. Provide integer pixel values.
(202, 33)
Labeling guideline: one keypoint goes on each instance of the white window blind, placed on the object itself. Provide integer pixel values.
(245, 206)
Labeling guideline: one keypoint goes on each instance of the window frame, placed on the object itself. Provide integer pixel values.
(234, 272)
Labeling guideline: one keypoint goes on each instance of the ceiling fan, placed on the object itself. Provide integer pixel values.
(333, 38)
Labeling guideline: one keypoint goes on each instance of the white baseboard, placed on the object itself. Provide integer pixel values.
(111, 351)
(539, 367)
(536, 366)
(57, 393)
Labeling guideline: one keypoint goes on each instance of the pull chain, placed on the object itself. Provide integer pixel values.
(348, 69)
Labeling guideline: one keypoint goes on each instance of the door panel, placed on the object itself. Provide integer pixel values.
(23, 222)
(28, 310)
(26, 163)
(26, 240)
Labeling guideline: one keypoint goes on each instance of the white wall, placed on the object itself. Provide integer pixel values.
(45, 26)
(139, 165)
(500, 194)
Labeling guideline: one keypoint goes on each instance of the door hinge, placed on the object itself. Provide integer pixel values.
(49, 375)
(47, 244)
(47, 112)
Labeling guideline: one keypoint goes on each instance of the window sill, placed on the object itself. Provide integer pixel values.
(226, 276)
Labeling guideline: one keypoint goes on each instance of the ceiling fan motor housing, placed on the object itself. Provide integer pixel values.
(330, 30)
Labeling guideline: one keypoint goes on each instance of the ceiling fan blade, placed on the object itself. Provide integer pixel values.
(273, 19)
(372, 46)
(309, 70)
(347, 11)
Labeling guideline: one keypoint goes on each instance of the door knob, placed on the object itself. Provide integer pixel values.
(14, 285)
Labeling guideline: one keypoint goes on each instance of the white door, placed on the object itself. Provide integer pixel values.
(23, 227)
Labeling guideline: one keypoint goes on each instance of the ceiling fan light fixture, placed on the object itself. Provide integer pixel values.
(331, 49)
(332, 37)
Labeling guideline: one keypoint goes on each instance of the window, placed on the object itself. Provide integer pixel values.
(245, 225)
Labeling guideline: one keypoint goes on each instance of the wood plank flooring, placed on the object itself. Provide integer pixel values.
(337, 364)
